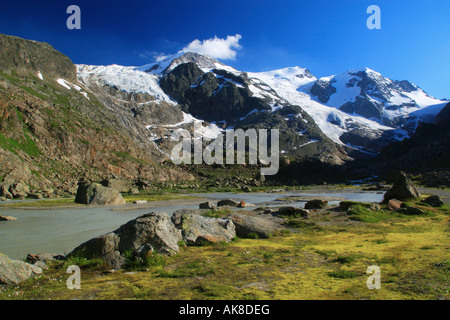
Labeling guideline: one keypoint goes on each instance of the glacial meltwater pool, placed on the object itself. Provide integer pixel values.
(60, 230)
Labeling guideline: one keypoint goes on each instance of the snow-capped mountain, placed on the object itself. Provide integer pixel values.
(367, 93)
(353, 113)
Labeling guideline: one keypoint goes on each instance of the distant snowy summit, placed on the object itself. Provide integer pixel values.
(358, 110)
(367, 93)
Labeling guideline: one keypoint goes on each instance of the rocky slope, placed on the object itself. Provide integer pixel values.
(53, 129)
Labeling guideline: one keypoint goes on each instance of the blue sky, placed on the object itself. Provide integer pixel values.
(325, 36)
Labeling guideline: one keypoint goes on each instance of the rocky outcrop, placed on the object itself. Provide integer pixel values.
(197, 229)
(402, 189)
(96, 194)
(152, 232)
(13, 272)
(23, 55)
(211, 96)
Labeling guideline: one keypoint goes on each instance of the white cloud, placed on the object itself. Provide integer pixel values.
(216, 48)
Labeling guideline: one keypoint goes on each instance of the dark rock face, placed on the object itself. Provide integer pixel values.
(364, 107)
(403, 189)
(323, 90)
(150, 232)
(211, 96)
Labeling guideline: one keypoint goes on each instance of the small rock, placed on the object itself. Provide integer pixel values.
(35, 195)
(242, 204)
(394, 205)
(434, 201)
(140, 201)
(7, 218)
(414, 211)
(41, 264)
(208, 205)
(227, 202)
(290, 211)
(316, 204)
(44, 257)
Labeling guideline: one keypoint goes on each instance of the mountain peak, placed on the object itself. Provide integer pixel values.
(169, 63)
(365, 70)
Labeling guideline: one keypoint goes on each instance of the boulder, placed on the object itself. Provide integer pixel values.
(94, 193)
(402, 189)
(242, 204)
(13, 272)
(176, 216)
(197, 229)
(291, 211)
(395, 205)
(208, 205)
(433, 201)
(414, 211)
(227, 202)
(19, 190)
(121, 185)
(345, 205)
(147, 233)
(316, 204)
(44, 257)
(7, 218)
(4, 192)
(248, 225)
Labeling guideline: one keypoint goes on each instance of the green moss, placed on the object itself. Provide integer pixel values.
(343, 274)
(366, 214)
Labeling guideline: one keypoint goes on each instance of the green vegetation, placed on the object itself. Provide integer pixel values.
(55, 202)
(365, 214)
(329, 262)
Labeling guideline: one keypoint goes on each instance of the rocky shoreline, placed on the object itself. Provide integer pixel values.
(157, 233)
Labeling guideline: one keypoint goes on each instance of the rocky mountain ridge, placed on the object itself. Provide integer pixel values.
(60, 121)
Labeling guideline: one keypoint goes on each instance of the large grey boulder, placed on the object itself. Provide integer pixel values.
(197, 229)
(247, 225)
(176, 216)
(94, 193)
(13, 272)
(402, 189)
(152, 232)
